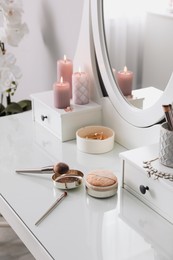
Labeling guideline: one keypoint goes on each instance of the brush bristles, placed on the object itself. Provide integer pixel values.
(166, 108)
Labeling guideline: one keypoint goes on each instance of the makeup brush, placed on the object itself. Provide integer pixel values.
(58, 169)
(171, 113)
(168, 116)
(64, 194)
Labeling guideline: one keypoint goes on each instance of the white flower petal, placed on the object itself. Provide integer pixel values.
(15, 34)
(13, 30)
(13, 16)
(2, 35)
(9, 59)
(2, 87)
(15, 4)
(16, 72)
(7, 78)
(2, 61)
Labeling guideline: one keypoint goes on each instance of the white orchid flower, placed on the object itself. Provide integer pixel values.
(3, 37)
(11, 4)
(15, 34)
(10, 59)
(11, 32)
(16, 72)
(2, 61)
(13, 17)
(13, 28)
(9, 72)
(6, 79)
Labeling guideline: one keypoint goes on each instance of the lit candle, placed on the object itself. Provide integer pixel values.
(80, 86)
(125, 79)
(65, 70)
(61, 94)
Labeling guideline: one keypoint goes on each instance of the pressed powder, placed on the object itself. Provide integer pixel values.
(101, 183)
(70, 180)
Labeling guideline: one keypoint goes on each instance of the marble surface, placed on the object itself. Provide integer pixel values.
(11, 247)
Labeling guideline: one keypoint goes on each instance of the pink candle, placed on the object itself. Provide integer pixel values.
(125, 79)
(61, 94)
(80, 86)
(65, 70)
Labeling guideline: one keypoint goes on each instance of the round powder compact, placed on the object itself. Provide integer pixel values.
(69, 180)
(101, 183)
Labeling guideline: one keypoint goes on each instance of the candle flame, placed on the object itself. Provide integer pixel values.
(61, 80)
(125, 69)
(65, 58)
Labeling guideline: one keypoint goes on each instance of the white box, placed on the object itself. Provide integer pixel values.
(160, 191)
(59, 122)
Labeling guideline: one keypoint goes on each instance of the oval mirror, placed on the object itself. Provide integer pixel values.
(113, 55)
(139, 39)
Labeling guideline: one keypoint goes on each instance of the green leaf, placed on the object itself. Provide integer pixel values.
(25, 105)
(13, 108)
(1, 108)
(2, 113)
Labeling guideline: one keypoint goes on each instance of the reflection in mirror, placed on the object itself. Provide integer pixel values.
(139, 43)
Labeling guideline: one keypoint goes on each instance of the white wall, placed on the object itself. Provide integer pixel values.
(53, 31)
(158, 54)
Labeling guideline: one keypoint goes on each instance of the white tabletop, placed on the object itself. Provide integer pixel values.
(81, 227)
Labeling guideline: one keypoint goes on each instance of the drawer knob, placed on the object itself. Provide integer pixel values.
(43, 117)
(143, 189)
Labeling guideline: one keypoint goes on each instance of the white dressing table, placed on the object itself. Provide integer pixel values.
(81, 227)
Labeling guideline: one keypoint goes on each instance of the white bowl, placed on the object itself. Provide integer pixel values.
(95, 146)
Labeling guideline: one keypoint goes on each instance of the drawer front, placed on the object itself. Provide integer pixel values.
(147, 223)
(157, 196)
(47, 118)
(48, 142)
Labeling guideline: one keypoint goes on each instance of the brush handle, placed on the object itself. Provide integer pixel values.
(51, 208)
(43, 170)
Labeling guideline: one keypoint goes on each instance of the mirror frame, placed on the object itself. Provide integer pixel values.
(134, 116)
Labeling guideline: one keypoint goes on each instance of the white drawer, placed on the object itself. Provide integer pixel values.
(49, 143)
(160, 191)
(47, 117)
(61, 123)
